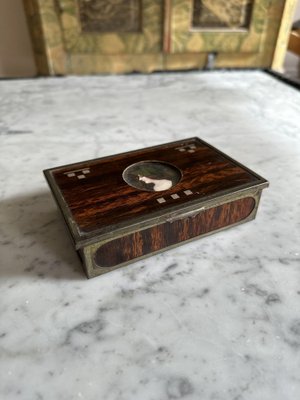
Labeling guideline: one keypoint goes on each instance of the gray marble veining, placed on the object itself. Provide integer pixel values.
(218, 318)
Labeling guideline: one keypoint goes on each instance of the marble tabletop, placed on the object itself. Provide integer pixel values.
(218, 318)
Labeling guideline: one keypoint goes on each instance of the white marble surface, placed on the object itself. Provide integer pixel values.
(215, 319)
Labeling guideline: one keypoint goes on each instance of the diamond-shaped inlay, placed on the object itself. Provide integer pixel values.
(190, 148)
(78, 173)
(188, 192)
(175, 196)
(161, 200)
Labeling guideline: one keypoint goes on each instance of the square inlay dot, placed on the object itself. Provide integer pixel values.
(71, 174)
(191, 151)
(161, 200)
(188, 192)
(81, 177)
(175, 196)
(85, 171)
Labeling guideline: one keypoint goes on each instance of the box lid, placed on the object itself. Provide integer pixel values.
(101, 197)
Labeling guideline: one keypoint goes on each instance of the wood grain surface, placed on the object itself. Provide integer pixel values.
(103, 199)
(62, 47)
(153, 239)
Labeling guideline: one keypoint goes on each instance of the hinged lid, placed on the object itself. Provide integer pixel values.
(141, 188)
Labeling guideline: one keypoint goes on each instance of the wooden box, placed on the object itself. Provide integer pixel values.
(124, 207)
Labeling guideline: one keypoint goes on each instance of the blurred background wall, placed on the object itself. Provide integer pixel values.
(16, 56)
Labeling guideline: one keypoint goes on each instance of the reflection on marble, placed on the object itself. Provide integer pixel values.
(215, 319)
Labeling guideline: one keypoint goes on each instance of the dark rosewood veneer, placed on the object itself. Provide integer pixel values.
(131, 205)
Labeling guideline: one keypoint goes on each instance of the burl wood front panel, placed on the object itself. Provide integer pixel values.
(110, 16)
(157, 238)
